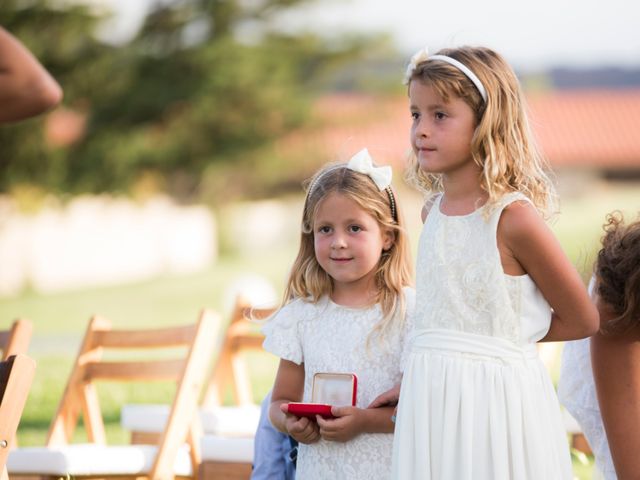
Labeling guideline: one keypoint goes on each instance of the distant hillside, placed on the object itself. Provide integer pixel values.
(384, 73)
(566, 79)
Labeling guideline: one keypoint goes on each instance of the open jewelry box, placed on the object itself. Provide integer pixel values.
(328, 390)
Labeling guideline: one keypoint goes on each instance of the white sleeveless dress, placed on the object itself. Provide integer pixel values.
(476, 402)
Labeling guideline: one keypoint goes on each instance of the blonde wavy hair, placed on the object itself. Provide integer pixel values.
(502, 145)
(307, 279)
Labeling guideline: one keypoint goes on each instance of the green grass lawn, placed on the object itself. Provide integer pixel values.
(60, 319)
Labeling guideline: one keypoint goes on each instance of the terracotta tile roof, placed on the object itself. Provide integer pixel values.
(346, 123)
(588, 128)
(599, 129)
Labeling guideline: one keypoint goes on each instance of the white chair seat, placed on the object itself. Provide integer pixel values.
(90, 459)
(231, 421)
(226, 421)
(226, 449)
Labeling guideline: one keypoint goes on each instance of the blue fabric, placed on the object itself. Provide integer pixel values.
(271, 458)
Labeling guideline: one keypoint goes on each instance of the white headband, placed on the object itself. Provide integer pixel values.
(422, 56)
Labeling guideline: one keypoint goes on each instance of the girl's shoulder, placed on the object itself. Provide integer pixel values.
(297, 310)
(511, 201)
(519, 217)
(283, 333)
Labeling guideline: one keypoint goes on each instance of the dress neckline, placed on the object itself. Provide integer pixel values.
(333, 304)
(465, 215)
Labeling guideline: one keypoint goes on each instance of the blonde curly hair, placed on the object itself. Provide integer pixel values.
(502, 145)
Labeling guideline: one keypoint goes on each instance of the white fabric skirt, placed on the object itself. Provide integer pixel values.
(477, 407)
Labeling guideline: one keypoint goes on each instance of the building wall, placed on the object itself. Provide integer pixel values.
(95, 241)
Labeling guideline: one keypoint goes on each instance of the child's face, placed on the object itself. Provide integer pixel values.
(441, 132)
(348, 242)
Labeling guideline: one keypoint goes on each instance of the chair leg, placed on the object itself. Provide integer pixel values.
(224, 471)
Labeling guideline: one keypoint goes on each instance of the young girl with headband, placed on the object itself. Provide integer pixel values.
(346, 304)
(476, 402)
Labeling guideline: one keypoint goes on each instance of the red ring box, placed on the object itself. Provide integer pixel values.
(328, 390)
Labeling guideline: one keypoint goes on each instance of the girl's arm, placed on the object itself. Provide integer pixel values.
(528, 246)
(616, 371)
(26, 88)
(289, 387)
(352, 421)
(390, 397)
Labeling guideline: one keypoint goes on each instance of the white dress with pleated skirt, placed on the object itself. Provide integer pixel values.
(476, 402)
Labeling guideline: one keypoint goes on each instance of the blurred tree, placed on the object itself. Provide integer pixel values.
(204, 85)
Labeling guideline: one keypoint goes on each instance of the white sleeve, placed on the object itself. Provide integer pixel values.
(283, 333)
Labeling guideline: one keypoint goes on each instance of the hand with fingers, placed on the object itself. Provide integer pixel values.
(302, 429)
(347, 424)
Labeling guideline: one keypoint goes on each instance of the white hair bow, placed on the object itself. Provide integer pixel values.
(361, 162)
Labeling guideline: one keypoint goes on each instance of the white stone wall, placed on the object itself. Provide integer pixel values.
(96, 241)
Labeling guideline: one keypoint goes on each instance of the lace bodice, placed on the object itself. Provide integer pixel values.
(472, 293)
(331, 338)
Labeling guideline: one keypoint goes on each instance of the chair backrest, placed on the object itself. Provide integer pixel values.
(230, 368)
(189, 372)
(16, 375)
(16, 339)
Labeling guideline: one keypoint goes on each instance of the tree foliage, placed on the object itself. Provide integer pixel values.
(184, 98)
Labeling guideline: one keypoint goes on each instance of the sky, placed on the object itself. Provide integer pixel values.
(531, 35)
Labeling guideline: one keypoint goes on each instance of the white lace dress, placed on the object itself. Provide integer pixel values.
(327, 337)
(577, 392)
(476, 401)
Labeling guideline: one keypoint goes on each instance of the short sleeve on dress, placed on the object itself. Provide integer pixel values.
(283, 332)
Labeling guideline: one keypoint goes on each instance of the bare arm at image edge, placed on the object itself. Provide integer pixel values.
(616, 370)
(26, 88)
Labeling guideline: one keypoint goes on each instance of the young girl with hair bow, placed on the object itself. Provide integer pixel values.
(346, 306)
(476, 402)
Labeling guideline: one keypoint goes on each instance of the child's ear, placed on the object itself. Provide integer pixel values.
(388, 239)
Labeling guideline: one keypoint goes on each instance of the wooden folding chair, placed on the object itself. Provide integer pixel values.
(229, 375)
(227, 446)
(230, 369)
(13, 341)
(16, 375)
(16, 339)
(166, 459)
(229, 458)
